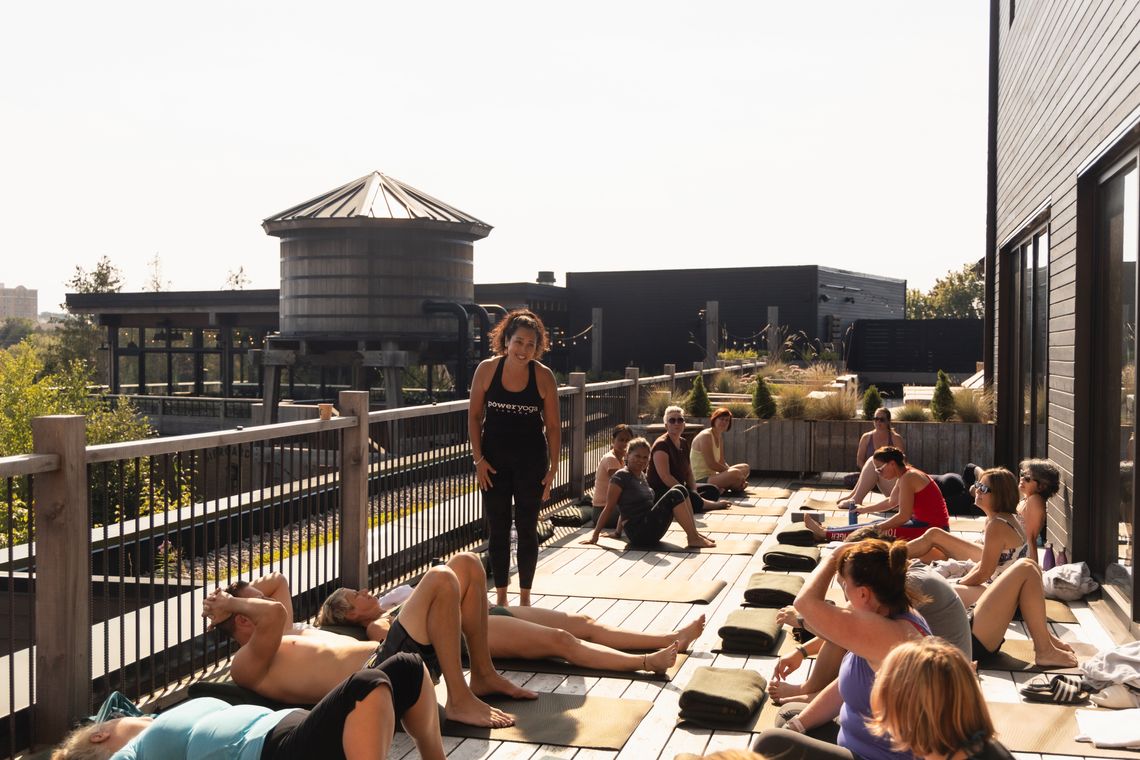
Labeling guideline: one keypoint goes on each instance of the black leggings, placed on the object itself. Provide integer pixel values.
(518, 477)
(319, 732)
(647, 530)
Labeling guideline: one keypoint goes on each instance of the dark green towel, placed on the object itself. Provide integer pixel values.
(750, 631)
(796, 537)
(772, 589)
(722, 696)
(793, 558)
(571, 517)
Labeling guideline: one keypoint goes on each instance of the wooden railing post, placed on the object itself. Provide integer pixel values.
(354, 491)
(578, 435)
(633, 395)
(63, 578)
(671, 371)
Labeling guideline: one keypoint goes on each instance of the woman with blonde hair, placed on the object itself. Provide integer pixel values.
(927, 701)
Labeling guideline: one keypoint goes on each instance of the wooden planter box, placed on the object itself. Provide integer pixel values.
(829, 445)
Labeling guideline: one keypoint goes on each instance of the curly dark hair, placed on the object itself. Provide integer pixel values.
(502, 333)
(1046, 474)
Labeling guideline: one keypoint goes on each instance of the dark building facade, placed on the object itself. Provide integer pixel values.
(1062, 239)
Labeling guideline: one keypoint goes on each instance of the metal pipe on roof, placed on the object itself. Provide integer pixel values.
(462, 338)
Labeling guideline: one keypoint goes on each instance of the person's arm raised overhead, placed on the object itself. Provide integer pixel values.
(267, 618)
(276, 587)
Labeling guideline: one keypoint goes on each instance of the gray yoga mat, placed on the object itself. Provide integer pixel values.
(768, 492)
(566, 720)
(561, 667)
(1047, 729)
(640, 589)
(1017, 654)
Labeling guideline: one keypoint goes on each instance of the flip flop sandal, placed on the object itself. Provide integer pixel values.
(1060, 690)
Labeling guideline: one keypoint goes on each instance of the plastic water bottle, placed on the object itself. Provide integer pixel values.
(852, 517)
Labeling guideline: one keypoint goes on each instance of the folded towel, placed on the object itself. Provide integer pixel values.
(749, 631)
(796, 537)
(772, 589)
(785, 557)
(572, 517)
(721, 696)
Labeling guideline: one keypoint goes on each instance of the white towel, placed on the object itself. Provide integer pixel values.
(1109, 728)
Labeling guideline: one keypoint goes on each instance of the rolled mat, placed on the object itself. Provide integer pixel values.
(796, 537)
(772, 589)
(747, 509)
(1047, 729)
(572, 517)
(567, 720)
(750, 631)
(768, 492)
(641, 589)
(1017, 654)
(719, 697)
(794, 558)
(561, 667)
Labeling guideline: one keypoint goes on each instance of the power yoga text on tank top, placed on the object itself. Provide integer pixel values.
(513, 418)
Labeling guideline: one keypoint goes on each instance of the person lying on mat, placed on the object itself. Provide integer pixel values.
(919, 501)
(642, 515)
(706, 459)
(1003, 540)
(927, 701)
(299, 665)
(881, 616)
(881, 434)
(354, 721)
(672, 465)
(532, 633)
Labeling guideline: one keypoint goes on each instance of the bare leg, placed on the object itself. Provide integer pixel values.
(823, 672)
(954, 547)
(732, 479)
(683, 514)
(1019, 586)
(368, 729)
(868, 479)
(501, 596)
(588, 629)
(421, 722)
(520, 638)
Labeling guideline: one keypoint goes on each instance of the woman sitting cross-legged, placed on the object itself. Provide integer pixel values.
(707, 455)
(644, 517)
(881, 434)
(927, 701)
(533, 633)
(919, 501)
(872, 575)
(355, 721)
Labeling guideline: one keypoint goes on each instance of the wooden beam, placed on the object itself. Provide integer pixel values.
(354, 491)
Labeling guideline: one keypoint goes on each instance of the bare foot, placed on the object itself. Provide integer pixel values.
(662, 659)
(493, 683)
(816, 529)
(476, 712)
(1054, 658)
(1061, 644)
(690, 633)
(782, 691)
(701, 542)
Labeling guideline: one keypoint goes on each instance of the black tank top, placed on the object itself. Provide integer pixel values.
(513, 418)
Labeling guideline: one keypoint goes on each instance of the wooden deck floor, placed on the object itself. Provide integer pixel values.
(657, 736)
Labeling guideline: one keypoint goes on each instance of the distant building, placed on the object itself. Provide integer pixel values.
(18, 303)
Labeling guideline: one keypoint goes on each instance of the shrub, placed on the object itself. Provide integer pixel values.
(697, 403)
(942, 403)
(840, 405)
(657, 401)
(819, 374)
(727, 382)
(732, 354)
(973, 406)
(763, 406)
(871, 401)
(793, 402)
(910, 412)
(739, 409)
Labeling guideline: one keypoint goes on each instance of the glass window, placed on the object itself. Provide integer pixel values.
(1028, 268)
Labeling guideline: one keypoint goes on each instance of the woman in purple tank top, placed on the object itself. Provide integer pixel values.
(515, 438)
(872, 575)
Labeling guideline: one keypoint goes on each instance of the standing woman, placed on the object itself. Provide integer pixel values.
(515, 439)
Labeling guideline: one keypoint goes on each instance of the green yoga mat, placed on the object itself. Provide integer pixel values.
(1017, 654)
(641, 589)
(566, 720)
(561, 667)
(1047, 729)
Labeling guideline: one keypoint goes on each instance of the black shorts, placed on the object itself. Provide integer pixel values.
(977, 648)
(398, 641)
(319, 732)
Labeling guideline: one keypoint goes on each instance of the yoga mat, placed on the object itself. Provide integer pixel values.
(777, 648)
(1058, 612)
(821, 505)
(673, 547)
(763, 718)
(731, 526)
(561, 667)
(1047, 729)
(1017, 654)
(744, 509)
(640, 589)
(567, 720)
(768, 492)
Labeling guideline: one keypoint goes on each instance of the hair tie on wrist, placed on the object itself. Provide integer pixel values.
(479, 461)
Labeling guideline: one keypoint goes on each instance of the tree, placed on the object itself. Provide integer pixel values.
(14, 329)
(77, 337)
(960, 294)
(763, 405)
(942, 402)
(237, 279)
(154, 282)
(697, 404)
(872, 400)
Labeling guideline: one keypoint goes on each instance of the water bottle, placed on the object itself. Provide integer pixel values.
(1048, 561)
(852, 517)
(1062, 557)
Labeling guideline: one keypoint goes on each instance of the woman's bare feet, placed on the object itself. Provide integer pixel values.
(494, 683)
(816, 529)
(1061, 644)
(782, 691)
(662, 659)
(701, 542)
(475, 712)
(1054, 658)
(689, 633)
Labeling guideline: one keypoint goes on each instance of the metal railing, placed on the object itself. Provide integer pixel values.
(135, 531)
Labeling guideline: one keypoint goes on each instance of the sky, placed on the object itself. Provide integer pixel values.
(593, 136)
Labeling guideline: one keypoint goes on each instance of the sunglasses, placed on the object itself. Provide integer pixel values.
(1027, 479)
(981, 488)
(676, 420)
(881, 467)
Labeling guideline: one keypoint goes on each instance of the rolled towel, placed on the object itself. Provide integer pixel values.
(796, 537)
(571, 517)
(750, 631)
(772, 589)
(795, 558)
(722, 696)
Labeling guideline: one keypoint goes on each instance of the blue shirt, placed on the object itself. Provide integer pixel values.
(204, 729)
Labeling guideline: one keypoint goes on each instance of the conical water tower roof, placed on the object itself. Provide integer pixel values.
(374, 196)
